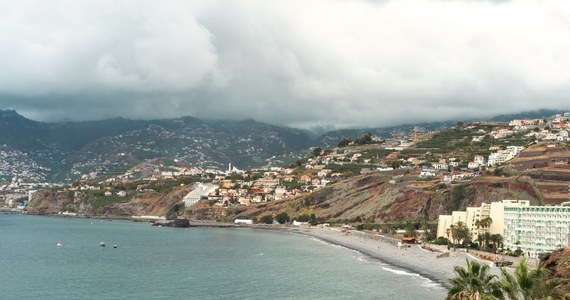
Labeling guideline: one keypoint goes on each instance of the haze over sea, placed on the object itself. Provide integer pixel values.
(195, 263)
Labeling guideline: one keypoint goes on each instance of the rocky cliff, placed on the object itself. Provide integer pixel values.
(558, 263)
(374, 197)
(377, 198)
(89, 203)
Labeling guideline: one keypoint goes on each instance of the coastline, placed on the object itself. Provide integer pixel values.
(413, 260)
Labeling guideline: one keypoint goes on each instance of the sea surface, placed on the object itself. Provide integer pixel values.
(196, 263)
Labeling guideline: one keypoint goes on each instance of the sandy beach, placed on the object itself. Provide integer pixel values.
(413, 259)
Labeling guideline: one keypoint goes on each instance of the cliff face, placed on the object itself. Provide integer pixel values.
(375, 197)
(558, 263)
(205, 211)
(85, 203)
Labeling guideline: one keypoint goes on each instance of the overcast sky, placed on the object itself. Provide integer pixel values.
(297, 63)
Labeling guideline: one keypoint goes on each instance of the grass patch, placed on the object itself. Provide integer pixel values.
(110, 200)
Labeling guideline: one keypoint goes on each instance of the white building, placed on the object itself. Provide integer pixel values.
(243, 221)
(473, 165)
(479, 159)
(201, 190)
(427, 173)
(471, 215)
(439, 166)
(502, 156)
(536, 229)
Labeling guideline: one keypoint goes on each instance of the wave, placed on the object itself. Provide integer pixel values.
(368, 258)
(428, 283)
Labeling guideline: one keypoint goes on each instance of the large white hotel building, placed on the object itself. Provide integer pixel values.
(531, 229)
(469, 217)
(536, 229)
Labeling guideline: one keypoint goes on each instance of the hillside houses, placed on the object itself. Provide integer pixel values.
(441, 161)
(502, 156)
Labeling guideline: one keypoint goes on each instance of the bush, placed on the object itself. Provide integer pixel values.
(304, 218)
(267, 219)
(282, 218)
(441, 241)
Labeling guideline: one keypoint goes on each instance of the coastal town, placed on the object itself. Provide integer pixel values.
(417, 156)
(323, 167)
(285, 150)
(412, 155)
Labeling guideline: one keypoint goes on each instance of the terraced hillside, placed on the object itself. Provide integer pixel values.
(549, 165)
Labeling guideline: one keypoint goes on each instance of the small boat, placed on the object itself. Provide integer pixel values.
(114, 246)
(59, 244)
(102, 244)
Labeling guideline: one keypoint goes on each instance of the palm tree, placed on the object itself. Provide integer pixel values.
(529, 284)
(460, 232)
(497, 240)
(480, 240)
(473, 283)
(486, 238)
(486, 222)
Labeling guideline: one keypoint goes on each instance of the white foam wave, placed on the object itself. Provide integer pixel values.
(428, 283)
(401, 272)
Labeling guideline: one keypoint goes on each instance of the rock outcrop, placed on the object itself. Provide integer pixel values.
(558, 263)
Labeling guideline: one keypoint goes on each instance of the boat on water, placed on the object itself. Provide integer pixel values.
(102, 244)
(59, 244)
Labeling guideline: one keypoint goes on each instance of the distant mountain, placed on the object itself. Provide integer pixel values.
(114, 145)
(331, 139)
(535, 114)
(66, 150)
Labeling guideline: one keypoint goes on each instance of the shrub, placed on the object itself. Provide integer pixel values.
(267, 219)
(282, 218)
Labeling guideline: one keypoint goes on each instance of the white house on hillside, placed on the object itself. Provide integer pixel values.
(201, 190)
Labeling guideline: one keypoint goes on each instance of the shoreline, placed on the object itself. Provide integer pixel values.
(413, 260)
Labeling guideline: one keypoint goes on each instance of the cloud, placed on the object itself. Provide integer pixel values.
(296, 63)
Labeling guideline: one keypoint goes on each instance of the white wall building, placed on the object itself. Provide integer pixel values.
(201, 190)
(471, 215)
(536, 229)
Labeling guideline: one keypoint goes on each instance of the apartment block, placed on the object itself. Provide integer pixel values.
(536, 229)
(471, 215)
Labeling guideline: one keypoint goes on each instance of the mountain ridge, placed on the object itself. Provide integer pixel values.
(63, 148)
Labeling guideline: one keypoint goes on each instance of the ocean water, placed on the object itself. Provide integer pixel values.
(195, 263)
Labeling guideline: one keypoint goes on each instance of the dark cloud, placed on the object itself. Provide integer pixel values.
(296, 63)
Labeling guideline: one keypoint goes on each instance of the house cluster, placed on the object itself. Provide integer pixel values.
(448, 169)
(556, 129)
(18, 193)
(272, 184)
(503, 155)
(532, 230)
(17, 163)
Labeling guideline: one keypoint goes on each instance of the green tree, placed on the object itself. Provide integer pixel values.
(460, 233)
(497, 241)
(473, 282)
(410, 230)
(486, 222)
(282, 218)
(267, 219)
(529, 284)
(313, 220)
(480, 240)
(486, 239)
